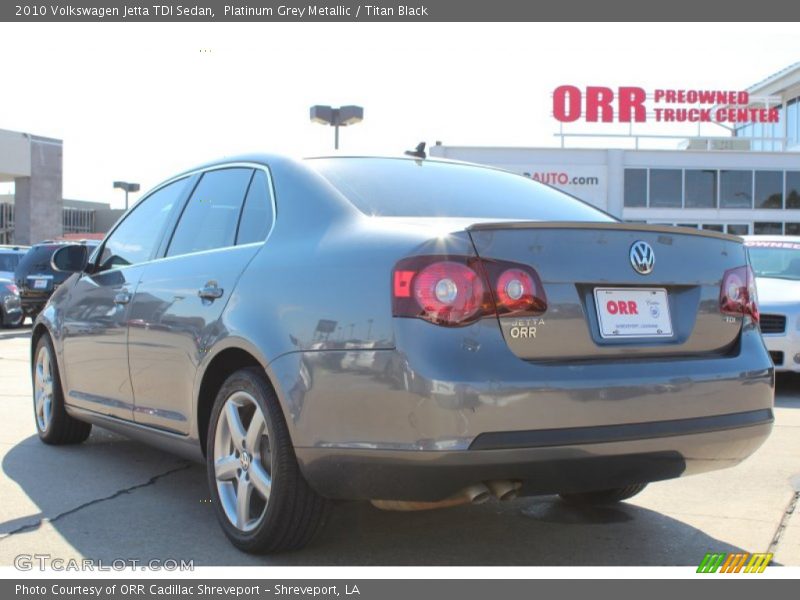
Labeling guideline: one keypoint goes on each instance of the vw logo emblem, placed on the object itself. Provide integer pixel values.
(244, 458)
(643, 259)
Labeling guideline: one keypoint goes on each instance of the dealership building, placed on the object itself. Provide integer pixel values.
(37, 210)
(745, 182)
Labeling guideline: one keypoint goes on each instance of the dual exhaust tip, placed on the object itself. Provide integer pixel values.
(477, 493)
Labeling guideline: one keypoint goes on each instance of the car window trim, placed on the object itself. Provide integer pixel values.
(241, 209)
(217, 167)
(190, 185)
(271, 194)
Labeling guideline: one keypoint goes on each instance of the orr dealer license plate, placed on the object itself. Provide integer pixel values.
(633, 312)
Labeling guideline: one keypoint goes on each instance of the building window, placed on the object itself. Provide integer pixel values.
(763, 228)
(701, 188)
(769, 189)
(689, 225)
(792, 229)
(741, 132)
(758, 132)
(77, 220)
(737, 228)
(666, 188)
(635, 187)
(736, 189)
(792, 189)
(713, 227)
(792, 108)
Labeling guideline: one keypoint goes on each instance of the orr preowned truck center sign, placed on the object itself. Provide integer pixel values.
(634, 105)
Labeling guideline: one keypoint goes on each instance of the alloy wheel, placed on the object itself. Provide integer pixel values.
(43, 388)
(242, 461)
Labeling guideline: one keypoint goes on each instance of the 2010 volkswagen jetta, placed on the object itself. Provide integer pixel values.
(417, 333)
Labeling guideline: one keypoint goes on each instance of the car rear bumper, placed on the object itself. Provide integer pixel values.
(440, 415)
(33, 302)
(430, 476)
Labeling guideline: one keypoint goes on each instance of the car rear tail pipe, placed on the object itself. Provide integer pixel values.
(473, 494)
(504, 489)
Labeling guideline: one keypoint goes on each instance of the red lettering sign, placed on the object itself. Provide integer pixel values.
(628, 105)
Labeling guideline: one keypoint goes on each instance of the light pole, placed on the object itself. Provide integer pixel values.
(128, 187)
(336, 117)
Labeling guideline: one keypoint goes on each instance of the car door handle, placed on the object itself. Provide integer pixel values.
(210, 292)
(122, 298)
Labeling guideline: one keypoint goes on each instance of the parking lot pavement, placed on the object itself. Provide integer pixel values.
(112, 498)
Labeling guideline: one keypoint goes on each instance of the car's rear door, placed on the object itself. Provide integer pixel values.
(175, 313)
(95, 311)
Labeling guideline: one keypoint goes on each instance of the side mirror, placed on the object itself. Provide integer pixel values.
(70, 259)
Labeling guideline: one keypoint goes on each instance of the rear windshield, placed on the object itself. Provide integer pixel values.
(779, 260)
(9, 261)
(37, 259)
(419, 188)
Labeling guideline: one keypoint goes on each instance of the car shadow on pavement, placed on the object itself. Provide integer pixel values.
(111, 498)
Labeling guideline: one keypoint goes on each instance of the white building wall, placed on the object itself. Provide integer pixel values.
(608, 167)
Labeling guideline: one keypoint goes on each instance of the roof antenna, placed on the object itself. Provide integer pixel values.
(418, 152)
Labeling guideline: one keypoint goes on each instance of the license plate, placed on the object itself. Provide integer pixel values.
(40, 284)
(633, 312)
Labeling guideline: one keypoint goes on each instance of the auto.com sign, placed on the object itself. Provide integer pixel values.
(587, 182)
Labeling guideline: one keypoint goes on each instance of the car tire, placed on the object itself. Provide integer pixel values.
(248, 451)
(601, 497)
(53, 424)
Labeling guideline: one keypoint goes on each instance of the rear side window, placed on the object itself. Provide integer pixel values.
(211, 215)
(136, 238)
(257, 214)
(419, 188)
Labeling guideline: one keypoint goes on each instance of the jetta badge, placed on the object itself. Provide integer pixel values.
(643, 259)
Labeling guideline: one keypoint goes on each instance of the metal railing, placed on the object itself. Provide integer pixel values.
(74, 220)
(78, 220)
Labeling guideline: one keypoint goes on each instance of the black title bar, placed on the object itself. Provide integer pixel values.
(411, 11)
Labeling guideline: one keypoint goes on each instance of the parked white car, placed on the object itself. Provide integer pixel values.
(776, 263)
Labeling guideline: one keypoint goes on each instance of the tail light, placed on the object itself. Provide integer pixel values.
(458, 290)
(738, 293)
(12, 288)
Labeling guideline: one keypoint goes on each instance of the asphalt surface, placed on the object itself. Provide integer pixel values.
(111, 498)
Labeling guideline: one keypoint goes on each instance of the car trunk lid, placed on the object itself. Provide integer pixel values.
(600, 306)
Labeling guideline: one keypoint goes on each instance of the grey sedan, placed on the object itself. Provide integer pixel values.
(415, 333)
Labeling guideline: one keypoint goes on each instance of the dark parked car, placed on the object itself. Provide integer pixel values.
(36, 278)
(10, 308)
(417, 333)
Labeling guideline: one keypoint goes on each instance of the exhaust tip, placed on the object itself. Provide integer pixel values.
(504, 489)
(477, 493)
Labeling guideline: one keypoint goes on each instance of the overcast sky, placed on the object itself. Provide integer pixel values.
(140, 102)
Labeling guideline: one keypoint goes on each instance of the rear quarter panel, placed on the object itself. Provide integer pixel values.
(321, 281)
